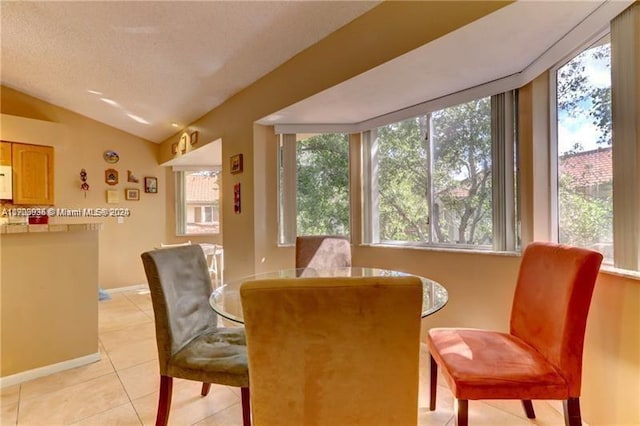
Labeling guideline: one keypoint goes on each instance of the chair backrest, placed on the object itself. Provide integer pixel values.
(551, 303)
(336, 351)
(323, 252)
(180, 287)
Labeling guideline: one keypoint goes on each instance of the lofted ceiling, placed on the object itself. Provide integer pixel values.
(514, 44)
(141, 66)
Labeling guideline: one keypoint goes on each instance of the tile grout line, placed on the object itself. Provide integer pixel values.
(117, 371)
(118, 374)
(18, 407)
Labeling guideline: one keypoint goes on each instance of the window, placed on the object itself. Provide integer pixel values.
(584, 150)
(320, 185)
(197, 202)
(432, 178)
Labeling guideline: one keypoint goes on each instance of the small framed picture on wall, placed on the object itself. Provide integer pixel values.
(236, 164)
(151, 185)
(132, 194)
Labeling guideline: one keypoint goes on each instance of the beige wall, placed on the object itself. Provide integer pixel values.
(79, 142)
(48, 309)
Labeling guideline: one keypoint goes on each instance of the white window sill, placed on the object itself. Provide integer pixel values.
(445, 249)
(626, 273)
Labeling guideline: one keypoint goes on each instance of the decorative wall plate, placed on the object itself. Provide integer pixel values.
(111, 157)
(111, 176)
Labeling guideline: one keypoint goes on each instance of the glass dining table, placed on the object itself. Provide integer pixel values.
(225, 300)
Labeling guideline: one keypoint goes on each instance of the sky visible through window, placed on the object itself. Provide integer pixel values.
(581, 129)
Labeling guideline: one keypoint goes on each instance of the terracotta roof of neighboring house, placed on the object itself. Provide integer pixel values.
(201, 188)
(587, 168)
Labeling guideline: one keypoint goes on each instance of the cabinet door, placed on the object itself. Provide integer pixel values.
(5, 153)
(32, 174)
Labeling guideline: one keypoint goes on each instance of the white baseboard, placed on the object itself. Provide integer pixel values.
(25, 376)
(128, 288)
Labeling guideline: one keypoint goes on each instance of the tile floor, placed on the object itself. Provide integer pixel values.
(122, 388)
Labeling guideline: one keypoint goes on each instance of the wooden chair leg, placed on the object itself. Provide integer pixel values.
(205, 389)
(433, 383)
(462, 418)
(572, 412)
(528, 408)
(164, 400)
(246, 407)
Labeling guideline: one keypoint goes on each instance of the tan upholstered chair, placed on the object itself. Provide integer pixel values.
(190, 344)
(323, 252)
(336, 351)
(541, 356)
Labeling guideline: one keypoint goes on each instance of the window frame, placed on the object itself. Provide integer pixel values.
(180, 201)
(287, 187)
(554, 163)
(504, 197)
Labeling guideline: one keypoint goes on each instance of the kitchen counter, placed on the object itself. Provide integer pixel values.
(49, 304)
(21, 229)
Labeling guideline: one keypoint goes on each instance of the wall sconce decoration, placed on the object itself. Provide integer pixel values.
(194, 138)
(131, 177)
(85, 185)
(111, 176)
(174, 148)
(182, 146)
(237, 207)
(236, 164)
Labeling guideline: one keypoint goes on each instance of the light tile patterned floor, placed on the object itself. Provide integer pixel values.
(122, 388)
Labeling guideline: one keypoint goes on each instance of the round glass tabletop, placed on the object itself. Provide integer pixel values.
(225, 300)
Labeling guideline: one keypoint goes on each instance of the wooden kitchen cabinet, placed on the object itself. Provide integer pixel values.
(32, 174)
(5, 153)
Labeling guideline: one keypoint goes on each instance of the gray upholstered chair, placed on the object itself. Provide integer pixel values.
(323, 252)
(190, 344)
(336, 351)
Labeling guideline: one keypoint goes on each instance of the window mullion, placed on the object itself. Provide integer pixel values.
(430, 166)
(370, 192)
(289, 190)
(180, 203)
(502, 171)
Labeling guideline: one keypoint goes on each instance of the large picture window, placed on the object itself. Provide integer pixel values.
(320, 185)
(584, 150)
(431, 178)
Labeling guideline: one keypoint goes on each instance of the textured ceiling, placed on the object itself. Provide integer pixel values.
(139, 66)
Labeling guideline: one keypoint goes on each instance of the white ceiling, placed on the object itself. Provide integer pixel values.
(139, 66)
(524, 36)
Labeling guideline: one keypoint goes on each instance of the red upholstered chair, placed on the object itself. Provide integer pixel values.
(541, 356)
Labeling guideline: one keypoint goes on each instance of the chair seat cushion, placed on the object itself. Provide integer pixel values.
(481, 364)
(218, 355)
